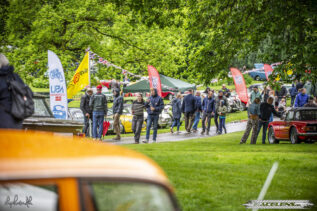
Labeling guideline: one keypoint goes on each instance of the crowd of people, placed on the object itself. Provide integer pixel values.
(263, 106)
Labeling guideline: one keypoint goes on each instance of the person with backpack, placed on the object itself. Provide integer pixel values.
(84, 107)
(154, 106)
(117, 111)
(293, 92)
(98, 105)
(16, 98)
(138, 117)
(177, 112)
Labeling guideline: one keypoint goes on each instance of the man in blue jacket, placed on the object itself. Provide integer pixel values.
(198, 110)
(301, 98)
(293, 92)
(189, 108)
(154, 106)
(208, 107)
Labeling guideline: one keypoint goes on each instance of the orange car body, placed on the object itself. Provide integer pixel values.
(44, 158)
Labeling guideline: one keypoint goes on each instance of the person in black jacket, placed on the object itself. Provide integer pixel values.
(84, 107)
(117, 109)
(138, 107)
(154, 106)
(266, 110)
(7, 120)
(189, 108)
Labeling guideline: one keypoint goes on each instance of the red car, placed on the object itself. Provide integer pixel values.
(300, 124)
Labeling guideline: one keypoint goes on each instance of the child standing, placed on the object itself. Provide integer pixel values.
(221, 111)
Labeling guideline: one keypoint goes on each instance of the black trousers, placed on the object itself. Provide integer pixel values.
(86, 126)
(216, 121)
(137, 123)
(207, 116)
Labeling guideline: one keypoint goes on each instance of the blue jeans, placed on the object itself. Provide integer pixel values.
(151, 119)
(196, 120)
(222, 124)
(265, 125)
(177, 123)
(97, 122)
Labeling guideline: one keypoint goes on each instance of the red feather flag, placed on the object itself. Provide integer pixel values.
(268, 70)
(154, 79)
(239, 83)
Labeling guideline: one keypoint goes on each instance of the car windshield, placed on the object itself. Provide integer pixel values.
(308, 115)
(129, 196)
(40, 109)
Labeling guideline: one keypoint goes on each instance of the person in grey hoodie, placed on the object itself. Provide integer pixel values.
(138, 107)
(117, 111)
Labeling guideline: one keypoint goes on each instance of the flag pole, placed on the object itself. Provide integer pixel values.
(89, 67)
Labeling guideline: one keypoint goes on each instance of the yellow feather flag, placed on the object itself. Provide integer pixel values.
(80, 79)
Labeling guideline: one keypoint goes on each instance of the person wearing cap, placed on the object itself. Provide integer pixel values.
(255, 94)
(117, 111)
(98, 105)
(253, 122)
(217, 104)
(84, 107)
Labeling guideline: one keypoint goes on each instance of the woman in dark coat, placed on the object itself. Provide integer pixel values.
(177, 112)
(6, 119)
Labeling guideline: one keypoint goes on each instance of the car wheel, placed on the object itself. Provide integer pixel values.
(271, 136)
(257, 78)
(293, 136)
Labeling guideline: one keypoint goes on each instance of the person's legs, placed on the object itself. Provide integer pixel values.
(247, 131)
(100, 118)
(86, 126)
(265, 125)
(208, 122)
(94, 125)
(134, 124)
(260, 123)
(186, 116)
(224, 124)
(255, 124)
(203, 122)
(196, 120)
(216, 121)
(220, 125)
(292, 100)
(178, 124)
(116, 125)
(155, 125)
(148, 127)
(191, 120)
(138, 128)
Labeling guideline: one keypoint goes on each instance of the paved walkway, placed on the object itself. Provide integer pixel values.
(167, 137)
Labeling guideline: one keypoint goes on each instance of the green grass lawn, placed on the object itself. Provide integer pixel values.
(218, 173)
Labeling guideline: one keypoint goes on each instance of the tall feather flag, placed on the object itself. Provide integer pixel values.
(268, 70)
(239, 83)
(154, 79)
(80, 79)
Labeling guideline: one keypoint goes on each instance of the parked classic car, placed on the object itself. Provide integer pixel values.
(300, 124)
(43, 120)
(42, 171)
(258, 74)
(125, 121)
